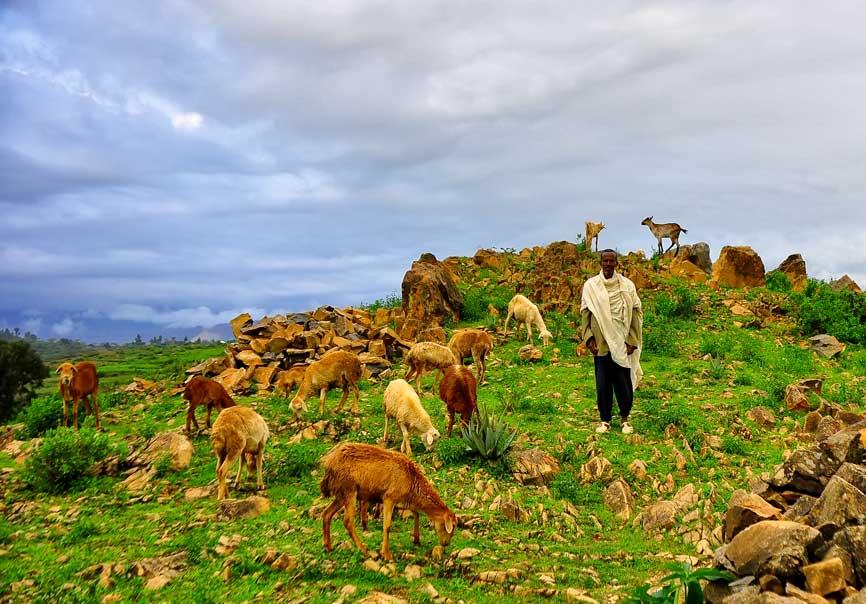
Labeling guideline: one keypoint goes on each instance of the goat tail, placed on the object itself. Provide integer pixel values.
(683, 230)
(326, 487)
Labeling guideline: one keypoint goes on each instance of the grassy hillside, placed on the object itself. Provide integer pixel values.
(705, 369)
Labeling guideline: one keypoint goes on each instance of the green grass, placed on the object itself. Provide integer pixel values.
(684, 400)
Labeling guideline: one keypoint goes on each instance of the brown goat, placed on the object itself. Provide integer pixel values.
(77, 382)
(592, 231)
(339, 368)
(476, 343)
(239, 434)
(204, 391)
(290, 378)
(667, 230)
(427, 356)
(459, 391)
(355, 471)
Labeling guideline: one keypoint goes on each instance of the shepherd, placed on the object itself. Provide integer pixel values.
(611, 324)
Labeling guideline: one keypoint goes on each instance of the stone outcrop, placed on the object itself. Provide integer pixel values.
(794, 267)
(430, 295)
(532, 466)
(738, 266)
(846, 282)
(826, 345)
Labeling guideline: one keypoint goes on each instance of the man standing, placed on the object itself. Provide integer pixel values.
(611, 323)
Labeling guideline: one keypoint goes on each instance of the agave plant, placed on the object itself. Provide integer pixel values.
(487, 435)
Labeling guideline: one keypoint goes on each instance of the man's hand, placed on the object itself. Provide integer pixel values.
(630, 349)
(593, 347)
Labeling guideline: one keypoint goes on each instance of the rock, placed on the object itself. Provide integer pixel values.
(847, 445)
(638, 469)
(799, 512)
(681, 267)
(467, 552)
(738, 266)
(796, 399)
(597, 468)
(805, 471)
(858, 598)
(532, 466)
(659, 516)
(811, 421)
(233, 509)
(196, 493)
(431, 334)
(810, 598)
(513, 512)
(138, 480)
(699, 255)
(496, 577)
(775, 547)
(529, 353)
(412, 572)
(619, 499)
(825, 577)
(794, 267)
(430, 295)
(232, 379)
(239, 322)
(771, 583)
(852, 540)
(825, 345)
(846, 282)
(488, 259)
(573, 596)
(285, 562)
(841, 503)
(762, 416)
(854, 474)
(174, 444)
(377, 597)
(111, 598)
(430, 591)
(744, 510)
(371, 565)
(159, 571)
(157, 582)
(348, 590)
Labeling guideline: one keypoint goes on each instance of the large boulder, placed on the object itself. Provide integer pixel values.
(682, 267)
(699, 255)
(826, 345)
(841, 503)
(532, 466)
(174, 445)
(774, 547)
(429, 293)
(746, 509)
(556, 280)
(794, 267)
(805, 471)
(846, 282)
(619, 499)
(852, 540)
(738, 266)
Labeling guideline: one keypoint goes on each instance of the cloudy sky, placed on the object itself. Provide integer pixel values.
(167, 164)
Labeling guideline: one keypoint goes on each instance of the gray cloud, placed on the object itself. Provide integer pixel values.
(194, 159)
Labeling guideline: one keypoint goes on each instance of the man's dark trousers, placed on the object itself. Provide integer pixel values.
(610, 378)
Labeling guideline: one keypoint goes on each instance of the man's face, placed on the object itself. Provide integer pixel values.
(608, 264)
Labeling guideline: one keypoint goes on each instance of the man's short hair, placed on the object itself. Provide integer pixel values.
(608, 251)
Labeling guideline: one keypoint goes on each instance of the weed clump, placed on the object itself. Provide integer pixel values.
(487, 436)
(451, 451)
(62, 460)
(42, 414)
(294, 461)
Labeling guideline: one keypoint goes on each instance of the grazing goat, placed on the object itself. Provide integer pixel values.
(459, 391)
(77, 382)
(668, 230)
(289, 379)
(338, 368)
(527, 313)
(592, 231)
(205, 391)
(427, 356)
(476, 343)
(355, 471)
(238, 433)
(402, 403)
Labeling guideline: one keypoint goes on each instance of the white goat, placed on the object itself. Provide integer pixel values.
(527, 313)
(668, 230)
(402, 403)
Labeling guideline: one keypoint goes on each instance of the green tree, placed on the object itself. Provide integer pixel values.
(21, 373)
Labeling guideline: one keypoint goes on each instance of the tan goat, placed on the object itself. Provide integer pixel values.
(77, 382)
(668, 230)
(355, 471)
(289, 379)
(339, 368)
(427, 356)
(592, 231)
(476, 343)
(238, 433)
(527, 313)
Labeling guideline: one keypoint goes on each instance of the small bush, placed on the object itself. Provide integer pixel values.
(487, 436)
(392, 300)
(778, 281)
(21, 373)
(294, 461)
(717, 368)
(451, 451)
(733, 445)
(821, 309)
(63, 458)
(660, 338)
(41, 415)
(81, 530)
(682, 303)
(716, 345)
(476, 301)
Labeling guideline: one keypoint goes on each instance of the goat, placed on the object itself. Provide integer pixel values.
(459, 391)
(402, 403)
(337, 368)
(427, 356)
(476, 343)
(77, 382)
(592, 231)
(290, 378)
(669, 230)
(355, 471)
(239, 434)
(205, 391)
(527, 313)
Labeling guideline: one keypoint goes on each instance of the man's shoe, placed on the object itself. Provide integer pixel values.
(626, 428)
(602, 428)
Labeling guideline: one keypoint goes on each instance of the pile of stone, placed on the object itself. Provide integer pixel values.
(264, 348)
(800, 534)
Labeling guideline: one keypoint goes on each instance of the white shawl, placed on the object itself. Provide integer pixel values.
(596, 299)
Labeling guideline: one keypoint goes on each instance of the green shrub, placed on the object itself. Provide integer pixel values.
(21, 373)
(660, 338)
(451, 451)
(81, 530)
(567, 485)
(42, 414)
(821, 309)
(778, 281)
(733, 445)
(682, 585)
(487, 436)
(392, 300)
(476, 301)
(294, 461)
(718, 345)
(63, 458)
(717, 368)
(681, 303)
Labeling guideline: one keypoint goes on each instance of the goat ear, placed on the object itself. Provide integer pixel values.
(58, 370)
(449, 525)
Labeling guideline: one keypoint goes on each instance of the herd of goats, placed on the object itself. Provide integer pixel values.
(356, 474)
